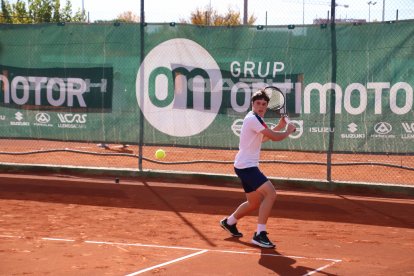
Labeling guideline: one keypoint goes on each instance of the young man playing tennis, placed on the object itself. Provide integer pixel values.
(260, 192)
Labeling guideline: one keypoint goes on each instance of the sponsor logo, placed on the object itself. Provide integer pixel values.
(321, 129)
(2, 118)
(383, 130)
(178, 97)
(299, 129)
(408, 129)
(236, 126)
(43, 120)
(70, 120)
(20, 120)
(44, 88)
(18, 116)
(352, 129)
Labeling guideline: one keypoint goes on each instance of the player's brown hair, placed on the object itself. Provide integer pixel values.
(260, 95)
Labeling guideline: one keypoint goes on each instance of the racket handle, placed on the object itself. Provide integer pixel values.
(287, 120)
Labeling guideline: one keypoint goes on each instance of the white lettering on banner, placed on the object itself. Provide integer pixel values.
(76, 87)
(247, 93)
(378, 87)
(321, 129)
(322, 89)
(50, 87)
(38, 86)
(58, 91)
(72, 118)
(362, 98)
(350, 92)
(25, 96)
(408, 98)
(250, 69)
(409, 128)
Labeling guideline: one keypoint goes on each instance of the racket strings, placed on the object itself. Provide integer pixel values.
(276, 98)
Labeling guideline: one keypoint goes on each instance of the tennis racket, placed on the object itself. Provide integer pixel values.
(277, 100)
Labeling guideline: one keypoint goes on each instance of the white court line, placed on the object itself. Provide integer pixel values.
(10, 236)
(322, 268)
(167, 263)
(199, 251)
(211, 250)
(57, 239)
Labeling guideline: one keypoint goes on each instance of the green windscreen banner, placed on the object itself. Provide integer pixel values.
(88, 82)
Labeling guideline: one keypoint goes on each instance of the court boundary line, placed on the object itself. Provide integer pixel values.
(167, 263)
(198, 252)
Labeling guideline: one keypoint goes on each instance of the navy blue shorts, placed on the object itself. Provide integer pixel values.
(251, 178)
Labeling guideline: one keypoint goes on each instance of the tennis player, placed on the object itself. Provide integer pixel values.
(260, 192)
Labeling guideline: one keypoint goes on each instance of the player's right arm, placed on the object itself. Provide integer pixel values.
(270, 134)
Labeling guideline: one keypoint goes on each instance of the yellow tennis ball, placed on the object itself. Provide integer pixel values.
(160, 154)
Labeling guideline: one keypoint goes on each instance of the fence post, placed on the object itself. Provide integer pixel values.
(332, 94)
(141, 86)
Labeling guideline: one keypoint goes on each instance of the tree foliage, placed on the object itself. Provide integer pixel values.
(210, 17)
(39, 11)
(128, 16)
(45, 11)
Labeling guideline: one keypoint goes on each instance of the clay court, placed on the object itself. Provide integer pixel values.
(351, 167)
(57, 222)
(73, 225)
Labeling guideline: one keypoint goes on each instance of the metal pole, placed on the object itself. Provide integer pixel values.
(369, 12)
(245, 13)
(332, 94)
(141, 87)
(369, 9)
(383, 10)
(83, 10)
(303, 12)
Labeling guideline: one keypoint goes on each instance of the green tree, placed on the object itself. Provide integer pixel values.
(66, 13)
(79, 16)
(20, 14)
(5, 12)
(40, 10)
(210, 17)
(56, 11)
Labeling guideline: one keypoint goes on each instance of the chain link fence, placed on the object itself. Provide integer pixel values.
(109, 95)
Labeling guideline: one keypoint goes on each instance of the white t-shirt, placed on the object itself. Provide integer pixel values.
(250, 142)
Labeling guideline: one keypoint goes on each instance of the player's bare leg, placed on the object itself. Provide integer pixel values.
(254, 200)
(269, 196)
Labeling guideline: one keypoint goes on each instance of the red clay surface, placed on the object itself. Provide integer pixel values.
(369, 169)
(67, 225)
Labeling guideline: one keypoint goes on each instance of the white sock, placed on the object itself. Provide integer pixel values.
(261, 228)
(231, 220)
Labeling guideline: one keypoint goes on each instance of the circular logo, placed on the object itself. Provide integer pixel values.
(383, 128)
(179, 88)
(237, 126)
(42, 118)
(299, 129)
